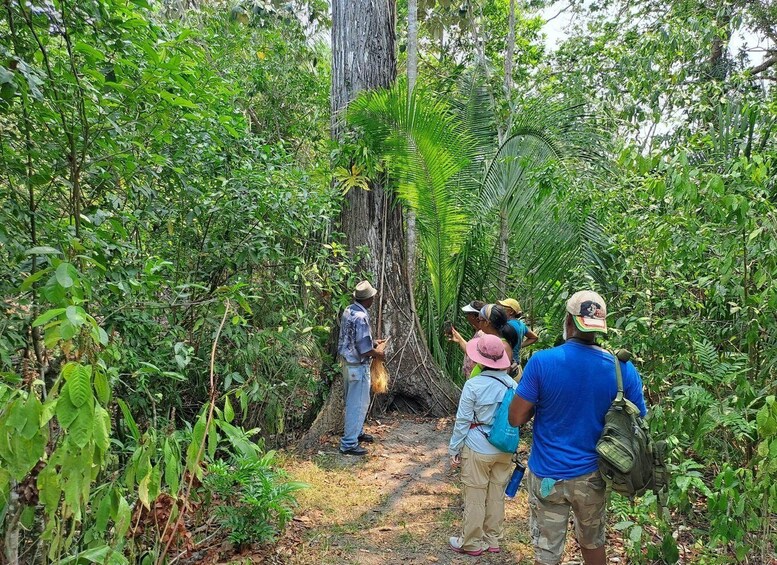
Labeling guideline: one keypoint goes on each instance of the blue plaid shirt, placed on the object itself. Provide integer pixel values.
(355, 336)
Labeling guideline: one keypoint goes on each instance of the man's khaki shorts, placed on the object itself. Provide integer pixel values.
(585, 496)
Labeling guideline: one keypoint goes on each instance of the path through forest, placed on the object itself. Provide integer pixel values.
(398, 505)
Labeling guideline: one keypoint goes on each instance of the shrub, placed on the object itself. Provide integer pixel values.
(256, 499)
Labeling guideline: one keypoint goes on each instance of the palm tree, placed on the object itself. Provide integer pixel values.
(449, 167)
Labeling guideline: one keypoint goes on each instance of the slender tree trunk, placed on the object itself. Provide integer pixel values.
(504, 229)
(412, 45)
(363, 58)
(510, 52)
(412, 75)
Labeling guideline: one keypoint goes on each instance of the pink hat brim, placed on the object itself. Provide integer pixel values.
(472, 352)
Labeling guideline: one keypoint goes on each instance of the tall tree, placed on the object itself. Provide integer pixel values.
(412, 75)
(504, 229)
(364, 58)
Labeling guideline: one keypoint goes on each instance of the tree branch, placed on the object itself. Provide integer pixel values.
(767, 63)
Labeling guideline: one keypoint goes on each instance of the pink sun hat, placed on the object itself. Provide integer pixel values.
(489, 351)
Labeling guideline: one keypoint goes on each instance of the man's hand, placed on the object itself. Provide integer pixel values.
(455, 460)
(380, 349)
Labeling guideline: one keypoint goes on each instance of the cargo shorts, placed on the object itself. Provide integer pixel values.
(549, 509)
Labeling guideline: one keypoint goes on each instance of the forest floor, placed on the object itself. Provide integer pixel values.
(398, 505)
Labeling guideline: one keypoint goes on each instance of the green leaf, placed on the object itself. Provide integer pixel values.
(48, 410)
(122, 518)
(635, 534)
(101, 386)
(129, 420)
(33, 409)
(27, 453)
(47, 315)
(193, 455)
(103, 513)
(155, 483)
(104, 555)
(17, 415)
(76, 315)
(102, 428)
(49, 488)
(32, 279)
(99, 336)
(178, 100)
(143, 494)
(5, 488)
(44, 250)
(79, 380)
(172, 457)
(53, 291)
(64, 276)
(229, 413)
(65, 410)
(67, 330)
(82, 429)
(669, 549)
(91, 53)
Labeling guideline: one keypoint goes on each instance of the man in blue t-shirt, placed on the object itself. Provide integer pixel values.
(568, 390)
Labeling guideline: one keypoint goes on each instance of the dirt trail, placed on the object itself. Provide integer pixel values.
(400, 504)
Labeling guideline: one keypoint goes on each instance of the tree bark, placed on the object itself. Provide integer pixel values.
(363, 58)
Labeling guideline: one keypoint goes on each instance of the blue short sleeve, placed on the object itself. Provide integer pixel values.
(529, 387)
(632, 388)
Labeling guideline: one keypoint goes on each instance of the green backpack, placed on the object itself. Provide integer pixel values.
(629, 461)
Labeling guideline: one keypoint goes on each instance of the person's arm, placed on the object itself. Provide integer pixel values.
(465, 415)
(456, 336)
(526, 395)
(508, 350)
(632, 387)
(378, 352)
(529, 339)
(364, 343)
(521, 411)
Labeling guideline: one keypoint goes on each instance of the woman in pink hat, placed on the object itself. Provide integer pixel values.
(485, 469)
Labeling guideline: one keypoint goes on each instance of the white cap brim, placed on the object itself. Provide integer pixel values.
(469, 310)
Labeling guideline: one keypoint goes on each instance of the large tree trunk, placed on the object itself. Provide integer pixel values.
(364, 58)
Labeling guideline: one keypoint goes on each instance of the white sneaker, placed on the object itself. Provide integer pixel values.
(455, 544)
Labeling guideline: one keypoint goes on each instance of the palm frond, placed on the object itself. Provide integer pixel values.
(424, 148)
(549, 240)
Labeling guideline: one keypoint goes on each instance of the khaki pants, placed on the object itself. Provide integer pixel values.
(485, 478)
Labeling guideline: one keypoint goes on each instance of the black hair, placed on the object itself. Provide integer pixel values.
(498, 319)
(477, 304)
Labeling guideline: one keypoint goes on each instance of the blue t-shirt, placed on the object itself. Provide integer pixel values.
(521, 329)
(572, 387)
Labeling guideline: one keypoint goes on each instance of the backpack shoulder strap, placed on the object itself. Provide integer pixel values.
(477, 422)
(496, 379)
(619, 379)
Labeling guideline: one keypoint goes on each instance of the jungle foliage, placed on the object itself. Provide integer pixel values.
(171, 267)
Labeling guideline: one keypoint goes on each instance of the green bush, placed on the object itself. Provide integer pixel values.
(255, 499)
